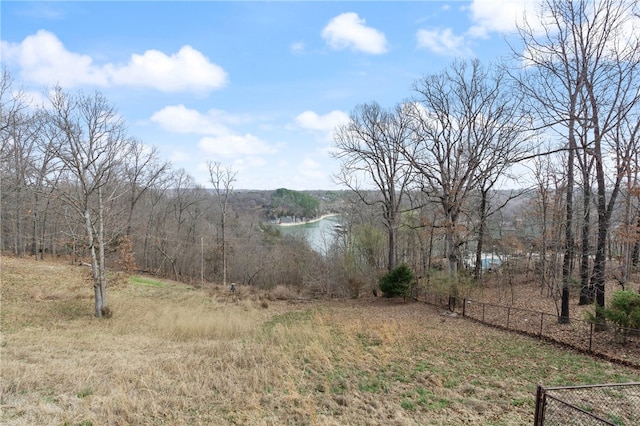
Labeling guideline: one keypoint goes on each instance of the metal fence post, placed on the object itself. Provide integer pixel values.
(540, 405)
(464, 306)
(541, 323)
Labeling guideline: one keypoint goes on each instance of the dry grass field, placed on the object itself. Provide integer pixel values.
(174, 354)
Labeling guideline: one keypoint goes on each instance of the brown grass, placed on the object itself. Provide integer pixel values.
(173, 354)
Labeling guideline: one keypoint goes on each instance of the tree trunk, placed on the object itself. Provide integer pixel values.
(34, 240)
(586, 291)
(567, 264)
(598, 276)
(544, 265)
(452, 257)
(101, 267)
(95, 273)
(477, 272)
(224, 251)
(635, 256)
(391, 228)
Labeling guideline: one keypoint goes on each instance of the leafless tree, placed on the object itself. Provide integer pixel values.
(466, 127)
(92, 147)
(142, 170)
(370, 147)
(222, 179)
(582, 69)
(549, 183)
(13, 102)
(153, 219)
(630, 226)
(175, 224)
(47, 169)
(18, 168)
(511, 142)
(17, 137)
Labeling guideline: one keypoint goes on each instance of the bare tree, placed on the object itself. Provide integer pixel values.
(511, 140)
(174, 225)
(153, 217)
(143, 169)
(549, 199)
(370, 147)
(17, 137)
(222, 179)
(91, 148)
(582, 71)
(47, 171)
(12, 103)
(609, 105)
(18, 175)
(466, 127)
(630, 228)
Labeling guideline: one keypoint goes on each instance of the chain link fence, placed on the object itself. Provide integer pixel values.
(607, 404)
(613, 343)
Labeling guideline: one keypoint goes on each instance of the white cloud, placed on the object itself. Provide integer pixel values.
(235, 145)
(443, 42)
(187, 70)
(348, 30)
(487, 16)
(500, 16)
(43, 59)
(179, 119)
(220, 139)
(326, 123)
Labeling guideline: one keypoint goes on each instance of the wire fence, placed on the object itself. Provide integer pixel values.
(607, 404)
(615, 344)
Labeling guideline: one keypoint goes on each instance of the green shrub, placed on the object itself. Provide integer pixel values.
(624, 309)
(397, 282)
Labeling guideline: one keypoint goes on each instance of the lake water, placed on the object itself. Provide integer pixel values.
(320, 235)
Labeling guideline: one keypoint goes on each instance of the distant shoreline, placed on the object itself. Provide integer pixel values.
(317, 219)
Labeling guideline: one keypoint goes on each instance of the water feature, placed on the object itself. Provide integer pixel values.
(320, 234)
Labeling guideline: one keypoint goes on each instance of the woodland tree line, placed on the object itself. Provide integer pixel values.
(424, 178)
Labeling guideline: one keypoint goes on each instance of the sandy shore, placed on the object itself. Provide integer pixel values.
(317, 219)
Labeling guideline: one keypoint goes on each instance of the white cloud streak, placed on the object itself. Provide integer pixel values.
(297, 48)
(443, 42)
(486, 16)
(326, 123)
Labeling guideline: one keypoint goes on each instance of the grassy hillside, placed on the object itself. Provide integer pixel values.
(173, 354)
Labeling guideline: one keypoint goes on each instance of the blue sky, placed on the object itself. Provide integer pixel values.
(257, 86)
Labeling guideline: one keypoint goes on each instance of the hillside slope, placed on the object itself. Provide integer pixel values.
(173, 354)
